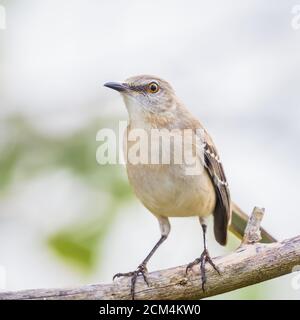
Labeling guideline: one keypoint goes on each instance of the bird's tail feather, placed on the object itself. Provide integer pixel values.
(238, 224)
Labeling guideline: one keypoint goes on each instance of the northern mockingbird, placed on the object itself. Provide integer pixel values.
(165, 189)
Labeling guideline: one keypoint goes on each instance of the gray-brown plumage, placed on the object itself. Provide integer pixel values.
(166, 189)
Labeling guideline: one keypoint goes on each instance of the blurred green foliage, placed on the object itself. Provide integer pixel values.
(81, 244)
(27, 152)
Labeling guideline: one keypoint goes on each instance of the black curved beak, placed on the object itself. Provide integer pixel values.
(116, 86)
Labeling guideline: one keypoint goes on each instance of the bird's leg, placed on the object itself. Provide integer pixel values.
(142, 268)
(205, 257)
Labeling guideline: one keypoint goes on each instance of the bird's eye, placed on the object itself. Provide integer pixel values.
(153, 87)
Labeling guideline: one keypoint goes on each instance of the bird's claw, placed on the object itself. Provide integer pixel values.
(141, 270)
(204, 258)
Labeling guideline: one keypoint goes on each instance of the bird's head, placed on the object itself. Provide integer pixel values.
(145, 95)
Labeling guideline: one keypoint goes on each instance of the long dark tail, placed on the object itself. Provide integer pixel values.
(221, 219)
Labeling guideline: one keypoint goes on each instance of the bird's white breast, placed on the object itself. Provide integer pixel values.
(167, 190)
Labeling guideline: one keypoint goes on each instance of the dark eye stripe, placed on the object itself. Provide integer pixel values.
(137, 88)
(144, 89)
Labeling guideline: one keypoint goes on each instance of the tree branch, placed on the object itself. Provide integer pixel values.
(251, 263)
(252, 232)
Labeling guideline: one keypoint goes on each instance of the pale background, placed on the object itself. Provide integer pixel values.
(66, 221)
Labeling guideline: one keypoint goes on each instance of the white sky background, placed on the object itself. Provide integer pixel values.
(235, 64)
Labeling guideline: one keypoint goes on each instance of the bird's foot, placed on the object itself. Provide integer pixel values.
(141, 270)
(204, 258)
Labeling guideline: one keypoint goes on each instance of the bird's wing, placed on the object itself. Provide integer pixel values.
(215, 169)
